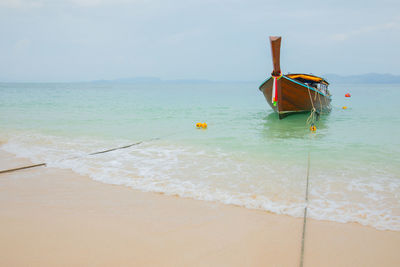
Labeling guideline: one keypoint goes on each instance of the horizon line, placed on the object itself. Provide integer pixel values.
(153, 79)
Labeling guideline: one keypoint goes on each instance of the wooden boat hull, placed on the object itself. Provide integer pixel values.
(294, 97)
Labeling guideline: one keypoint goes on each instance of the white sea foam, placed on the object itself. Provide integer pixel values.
(344, 195)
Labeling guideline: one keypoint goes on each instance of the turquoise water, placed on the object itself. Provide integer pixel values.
(246, 157)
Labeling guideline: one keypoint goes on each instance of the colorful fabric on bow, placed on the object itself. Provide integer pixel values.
(274, 99)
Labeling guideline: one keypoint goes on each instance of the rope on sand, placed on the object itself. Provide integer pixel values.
(305, 213)
(22, 168)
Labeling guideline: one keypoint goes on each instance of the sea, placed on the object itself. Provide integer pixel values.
(245, 157)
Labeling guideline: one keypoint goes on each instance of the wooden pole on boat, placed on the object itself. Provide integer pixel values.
(276, 53)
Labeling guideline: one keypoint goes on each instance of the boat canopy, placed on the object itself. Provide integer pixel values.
(307, 77)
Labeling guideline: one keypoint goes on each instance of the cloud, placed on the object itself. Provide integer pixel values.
(339, 37)
(22, 45)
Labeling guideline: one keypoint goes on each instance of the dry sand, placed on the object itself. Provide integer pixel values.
(54, 217)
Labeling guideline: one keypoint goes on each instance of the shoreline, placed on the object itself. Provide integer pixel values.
(55, 217)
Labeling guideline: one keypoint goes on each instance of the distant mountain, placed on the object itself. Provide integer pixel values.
(363, 78)
(131, 80)
(147, 80)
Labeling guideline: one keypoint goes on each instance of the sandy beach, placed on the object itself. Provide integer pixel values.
(55, 217)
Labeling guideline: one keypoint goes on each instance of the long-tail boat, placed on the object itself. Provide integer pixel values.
(293, 93)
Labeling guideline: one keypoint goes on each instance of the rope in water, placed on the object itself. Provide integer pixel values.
(90, 154)
(310, 120)
(303, 236)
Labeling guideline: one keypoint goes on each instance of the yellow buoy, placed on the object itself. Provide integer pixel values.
(344, 107)
(313, 128)
(202, 125)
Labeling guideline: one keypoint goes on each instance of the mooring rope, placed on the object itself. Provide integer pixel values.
(22, 168)
(303, 236)
(314, 111)
(311, 119)
(309, 93)
(90, 154)
(113, 149)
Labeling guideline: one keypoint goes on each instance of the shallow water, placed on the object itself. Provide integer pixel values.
(246, 156)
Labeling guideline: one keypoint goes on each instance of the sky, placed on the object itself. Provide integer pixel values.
(225, 40)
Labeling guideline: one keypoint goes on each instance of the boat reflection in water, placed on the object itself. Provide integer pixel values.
(293, 128)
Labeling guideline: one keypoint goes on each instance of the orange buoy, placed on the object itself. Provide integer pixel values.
(199, 125)
(344, 107)
(204, 125)
(347, 95)
(313, 128)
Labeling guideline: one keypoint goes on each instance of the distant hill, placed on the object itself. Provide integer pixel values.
(363, 78)
(131, 80)
(148, 80)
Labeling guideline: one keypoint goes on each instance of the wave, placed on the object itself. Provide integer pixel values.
(254, 182)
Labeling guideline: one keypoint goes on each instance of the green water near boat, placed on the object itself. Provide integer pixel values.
(246, 156)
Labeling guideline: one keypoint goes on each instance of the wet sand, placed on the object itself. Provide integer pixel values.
(55, 217)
